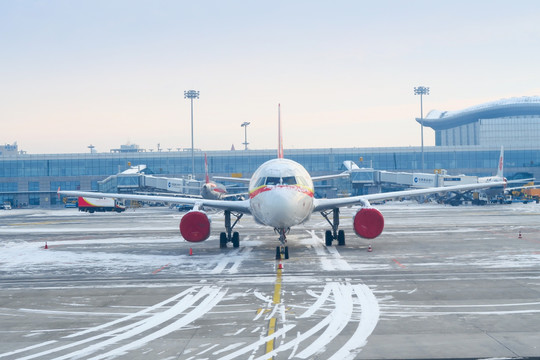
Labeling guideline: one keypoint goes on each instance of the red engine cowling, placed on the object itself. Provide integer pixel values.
(368, 223)
(195, 226)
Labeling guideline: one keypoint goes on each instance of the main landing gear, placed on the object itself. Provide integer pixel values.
(282, 251)
(334, 234)
(229, 235)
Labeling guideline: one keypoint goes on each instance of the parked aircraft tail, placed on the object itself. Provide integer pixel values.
(207, 178)
(501, 166)
(280, 136)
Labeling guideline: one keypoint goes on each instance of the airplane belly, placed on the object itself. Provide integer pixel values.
(281, 207)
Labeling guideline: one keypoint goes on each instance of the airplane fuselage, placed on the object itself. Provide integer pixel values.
(213, 191)
(281, 194)
(492, 191)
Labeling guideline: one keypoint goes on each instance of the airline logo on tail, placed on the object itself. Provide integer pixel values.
(206, 169)
(280, 136)
(500, 169)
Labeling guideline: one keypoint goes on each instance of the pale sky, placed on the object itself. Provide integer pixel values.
(107, 73)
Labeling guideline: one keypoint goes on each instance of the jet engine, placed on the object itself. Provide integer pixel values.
(368, 223)
(195, 226)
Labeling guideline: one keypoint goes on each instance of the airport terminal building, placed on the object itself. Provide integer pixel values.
(33, 179)
(511, 122)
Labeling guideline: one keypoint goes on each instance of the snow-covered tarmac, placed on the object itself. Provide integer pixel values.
(441, 282)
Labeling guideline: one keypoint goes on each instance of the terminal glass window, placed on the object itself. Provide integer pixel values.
(33, 186)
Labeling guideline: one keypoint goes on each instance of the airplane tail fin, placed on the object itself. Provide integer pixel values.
(501, 166)
(280, 136)
(206, 169)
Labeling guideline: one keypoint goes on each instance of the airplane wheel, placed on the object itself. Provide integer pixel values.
(222, 240)
(236, 239)
(286, 252)
(278, 253)
(328, 238)
(341, 237)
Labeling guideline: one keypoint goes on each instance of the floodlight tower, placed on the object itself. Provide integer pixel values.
(422, 90)
(192, 94)
(245, 125)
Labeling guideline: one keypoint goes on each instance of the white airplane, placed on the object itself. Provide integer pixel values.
(212, 190)
(499, 176)
(281, 196)
(495, 191)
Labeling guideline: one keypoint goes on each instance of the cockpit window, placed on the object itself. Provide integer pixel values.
(289, 180)
(301, 181)
(272, 180)
(260, 182)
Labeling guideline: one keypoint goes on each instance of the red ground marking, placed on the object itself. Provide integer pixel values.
(400, 265)
(161, 268)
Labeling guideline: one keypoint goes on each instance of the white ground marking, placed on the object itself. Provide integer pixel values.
(368, 321)
(347, 300)
(103, 326)
(210, 297)
(339, 318)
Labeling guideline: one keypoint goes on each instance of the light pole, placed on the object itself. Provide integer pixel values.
(245, 125)
(192, 94)
(422, 90)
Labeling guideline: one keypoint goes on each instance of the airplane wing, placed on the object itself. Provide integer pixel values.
(520, 181)
(193, 196)
(329, 177)
(327, 204)
(313, 178)
(237, 206)
(522, 187)
(231, 179)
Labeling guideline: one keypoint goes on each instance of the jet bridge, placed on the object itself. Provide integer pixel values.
(136, 179)
(367, 180)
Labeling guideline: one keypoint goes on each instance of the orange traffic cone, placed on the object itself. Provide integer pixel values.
(369, 249)
(46, 247)
(190, 251)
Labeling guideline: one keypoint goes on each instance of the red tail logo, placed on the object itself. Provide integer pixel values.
(206, 169)
(280, 137)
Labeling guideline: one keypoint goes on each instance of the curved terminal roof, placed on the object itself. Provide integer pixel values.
(441, 120)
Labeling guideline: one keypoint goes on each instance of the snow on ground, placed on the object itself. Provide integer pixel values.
(107, 246)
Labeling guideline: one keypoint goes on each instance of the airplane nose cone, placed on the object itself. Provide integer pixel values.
(281, 206)
(284, 208)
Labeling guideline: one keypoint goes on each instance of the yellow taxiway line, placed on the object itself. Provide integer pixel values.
(275, 301)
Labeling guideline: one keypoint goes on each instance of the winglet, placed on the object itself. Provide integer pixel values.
(280, 136)
(206, 169)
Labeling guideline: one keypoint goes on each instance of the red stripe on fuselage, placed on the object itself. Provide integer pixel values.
(268, 188)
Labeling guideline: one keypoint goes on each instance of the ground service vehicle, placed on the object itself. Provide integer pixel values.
(100, 204)
(6, 206)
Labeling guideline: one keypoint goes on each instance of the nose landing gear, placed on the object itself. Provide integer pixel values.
(282, 251)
